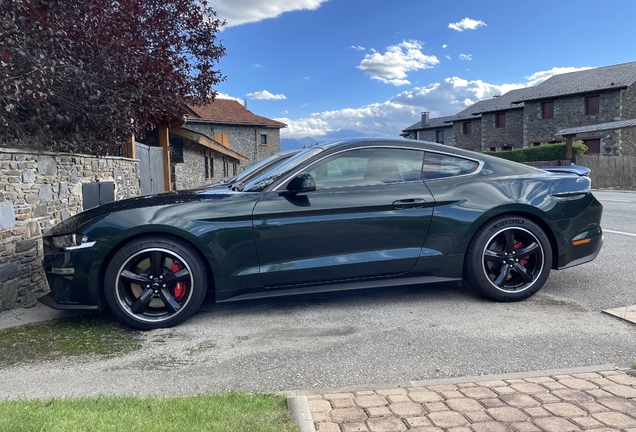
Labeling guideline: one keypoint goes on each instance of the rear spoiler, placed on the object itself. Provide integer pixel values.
(572, 169)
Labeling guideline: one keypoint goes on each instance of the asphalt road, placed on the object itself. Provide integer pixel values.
(378, 336)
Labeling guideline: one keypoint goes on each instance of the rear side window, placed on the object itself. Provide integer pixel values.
(440, 165)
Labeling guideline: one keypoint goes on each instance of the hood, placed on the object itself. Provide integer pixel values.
(212, 192)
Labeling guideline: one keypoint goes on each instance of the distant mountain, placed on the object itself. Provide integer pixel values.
(292, 143)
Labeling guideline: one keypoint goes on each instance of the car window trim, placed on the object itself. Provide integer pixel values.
(476, 171)
(295, 173)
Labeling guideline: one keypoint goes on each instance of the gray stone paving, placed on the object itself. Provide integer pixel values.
(600, 401)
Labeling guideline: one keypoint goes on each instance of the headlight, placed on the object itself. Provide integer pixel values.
(72, 241)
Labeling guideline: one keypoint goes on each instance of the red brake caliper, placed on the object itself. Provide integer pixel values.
(523, 261)
(179, 288)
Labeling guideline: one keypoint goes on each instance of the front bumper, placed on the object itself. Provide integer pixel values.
(73, 276)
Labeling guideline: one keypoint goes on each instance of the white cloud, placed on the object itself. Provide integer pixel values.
(465, 56)
(257, 66)
(447, 56)
(238, 12)
(445, 46)
(388, 118)
(392, 66)
(227, 96)
(466, 24)
(266, 95)
(538, 77)
(357, 48)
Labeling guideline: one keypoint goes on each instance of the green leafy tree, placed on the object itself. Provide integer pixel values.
(83, 75)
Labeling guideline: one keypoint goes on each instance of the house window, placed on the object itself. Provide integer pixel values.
(439, 137)
(500, 120)
(263, 139)
(234, 168)
(506, 147)
(492, 149)
(226, 166)
(593, 145)
(536, 144)
(207, 167)
(467, 127)
(592, 105)
(547, 110)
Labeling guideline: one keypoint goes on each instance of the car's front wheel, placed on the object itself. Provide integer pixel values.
(508, 259)
(155, 282)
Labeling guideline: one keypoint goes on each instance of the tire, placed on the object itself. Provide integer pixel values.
(508, 259)
(155, 282)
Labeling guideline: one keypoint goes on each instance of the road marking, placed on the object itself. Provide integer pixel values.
(615, 200)
(619, 232)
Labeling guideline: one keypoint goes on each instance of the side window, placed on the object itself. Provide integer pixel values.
(440, 165)
(363, 167)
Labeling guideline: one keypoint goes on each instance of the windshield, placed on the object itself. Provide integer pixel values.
(260, 167)
(268, 178)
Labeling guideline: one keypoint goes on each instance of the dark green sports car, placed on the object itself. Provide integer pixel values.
(352, 214)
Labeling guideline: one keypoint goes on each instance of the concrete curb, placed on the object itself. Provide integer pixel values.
(299, 408)
(35, 314)
(455, 380)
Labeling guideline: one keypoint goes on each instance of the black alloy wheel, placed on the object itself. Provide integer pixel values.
(509, 259)
(155, 282)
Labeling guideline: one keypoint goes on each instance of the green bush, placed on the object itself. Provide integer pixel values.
(544, 152)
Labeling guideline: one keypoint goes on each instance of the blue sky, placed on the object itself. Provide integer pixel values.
(372, 66)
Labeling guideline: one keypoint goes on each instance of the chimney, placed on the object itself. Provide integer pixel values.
(245, 103)
(425, 118)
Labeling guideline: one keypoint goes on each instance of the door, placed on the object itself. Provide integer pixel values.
(368, 217)
(150, 168)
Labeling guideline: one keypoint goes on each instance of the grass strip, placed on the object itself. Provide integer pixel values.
(231, 412)
(97, 334)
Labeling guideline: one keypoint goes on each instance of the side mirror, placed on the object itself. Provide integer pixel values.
(301, 183)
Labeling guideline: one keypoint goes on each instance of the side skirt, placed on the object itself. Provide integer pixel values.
(343, 286)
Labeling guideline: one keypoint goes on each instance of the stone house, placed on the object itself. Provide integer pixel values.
(466, 127)
(584, 98)
(501, 121)
(215, 142)
(431, 129)
(534, 115)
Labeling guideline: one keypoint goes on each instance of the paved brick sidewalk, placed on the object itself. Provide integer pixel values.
(600, 401)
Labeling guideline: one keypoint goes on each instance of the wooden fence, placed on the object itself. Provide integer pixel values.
(610, 171)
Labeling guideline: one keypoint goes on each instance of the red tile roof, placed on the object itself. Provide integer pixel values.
(229, 111)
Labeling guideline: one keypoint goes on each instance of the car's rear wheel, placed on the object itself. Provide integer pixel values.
(508, 259)
(155, 282)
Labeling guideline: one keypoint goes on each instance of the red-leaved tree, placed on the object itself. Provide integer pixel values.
(83, 75)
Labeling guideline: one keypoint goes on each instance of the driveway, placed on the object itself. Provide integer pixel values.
(376, 336)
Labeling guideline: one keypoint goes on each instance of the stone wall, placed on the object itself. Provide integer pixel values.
(511, 135)
(245, 140)
(569, 112)
(191, 173)
(472, 141)
(430, 135)
(628, 111)
(39, 189)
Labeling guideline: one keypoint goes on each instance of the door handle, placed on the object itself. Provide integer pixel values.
(409, 203)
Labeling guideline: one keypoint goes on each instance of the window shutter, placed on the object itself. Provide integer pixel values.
(592, 105)
(547, 110)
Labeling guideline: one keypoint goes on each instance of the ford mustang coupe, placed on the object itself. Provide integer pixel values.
(345, 215)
